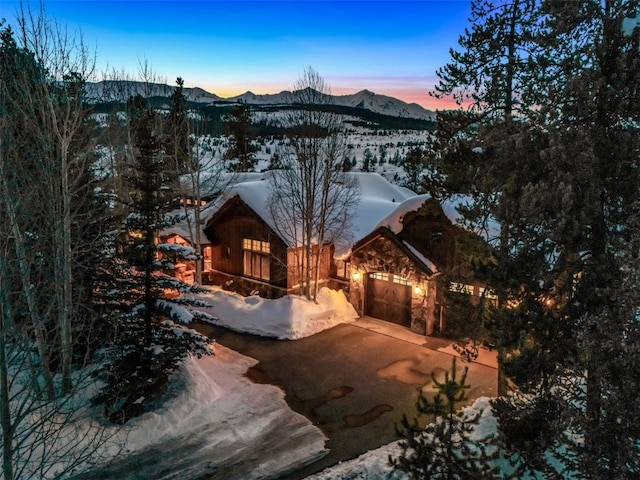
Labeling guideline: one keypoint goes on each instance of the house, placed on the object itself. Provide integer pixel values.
(405, 269)
(395, 263)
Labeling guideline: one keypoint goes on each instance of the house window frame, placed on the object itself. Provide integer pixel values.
(207, 259)
(463, 288)
(389, 277)
(256, 259)
(343, 269)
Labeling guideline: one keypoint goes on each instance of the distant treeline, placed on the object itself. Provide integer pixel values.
(212, 116)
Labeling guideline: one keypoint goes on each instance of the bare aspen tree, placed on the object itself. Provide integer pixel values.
(45, 152)
(311, 198)
(60, 103)
(208, 174)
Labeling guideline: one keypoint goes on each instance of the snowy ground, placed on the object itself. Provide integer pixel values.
(375, 463)
(290, 317)
(217, 423)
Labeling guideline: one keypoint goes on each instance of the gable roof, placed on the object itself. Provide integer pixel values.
(378, 197)
(409, 250)
(381, 204)
(254, 192)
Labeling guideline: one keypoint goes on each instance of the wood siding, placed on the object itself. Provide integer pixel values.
(325, 264)
(227, 230)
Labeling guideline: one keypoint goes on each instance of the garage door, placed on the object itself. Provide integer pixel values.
(389, 298)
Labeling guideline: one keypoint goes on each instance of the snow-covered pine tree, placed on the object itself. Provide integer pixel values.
(151, 343)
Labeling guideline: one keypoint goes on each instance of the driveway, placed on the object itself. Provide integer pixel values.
(354, 381)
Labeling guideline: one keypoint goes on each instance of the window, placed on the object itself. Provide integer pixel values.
(461, 288)
(389, 277)
(487, 293)
(206, 255)
(343, 269)
(256, 258)
(379, 276)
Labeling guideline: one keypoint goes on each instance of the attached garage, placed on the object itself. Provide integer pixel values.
(389, 298)
(391, 280)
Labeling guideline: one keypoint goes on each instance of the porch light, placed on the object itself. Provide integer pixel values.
(356, 276)
(417, 289)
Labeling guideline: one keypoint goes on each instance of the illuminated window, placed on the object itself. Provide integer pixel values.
(206, 255)
(256, 245)
(461, 288)
(257, 255)
(487, 293)
(399, 280)
(379, 276)
(389, 277)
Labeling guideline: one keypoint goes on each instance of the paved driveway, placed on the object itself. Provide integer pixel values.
(352, 382)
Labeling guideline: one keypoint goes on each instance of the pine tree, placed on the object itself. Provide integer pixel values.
(414, 167)
(241, 135)
(177, 142)
(443, 448)
(491, 70)
(367, 161)
(592, 113)
(562, 182)
(150, 346)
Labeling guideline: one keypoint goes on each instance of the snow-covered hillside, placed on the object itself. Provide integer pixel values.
(116, 90)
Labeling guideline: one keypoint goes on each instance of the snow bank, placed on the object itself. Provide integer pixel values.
(287, 318)
(220, 419)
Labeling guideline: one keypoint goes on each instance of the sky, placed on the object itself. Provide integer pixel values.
(230, 47)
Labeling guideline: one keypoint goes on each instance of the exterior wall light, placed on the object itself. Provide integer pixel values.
(418, 290)
(356, 276)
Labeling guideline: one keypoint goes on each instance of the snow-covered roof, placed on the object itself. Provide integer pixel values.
(381, 204)
(252, 189)
(212, 182)
(181, 227)
(393, 221)
(378, 198)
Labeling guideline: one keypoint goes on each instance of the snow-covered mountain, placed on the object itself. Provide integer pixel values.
(364, 99)
(385, 105)
(110, 90)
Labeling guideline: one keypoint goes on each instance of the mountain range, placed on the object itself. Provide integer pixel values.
(114, 90)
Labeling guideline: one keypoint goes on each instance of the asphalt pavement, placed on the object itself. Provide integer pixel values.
(354, 381)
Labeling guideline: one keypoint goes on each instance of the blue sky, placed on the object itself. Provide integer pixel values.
(227, 48)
